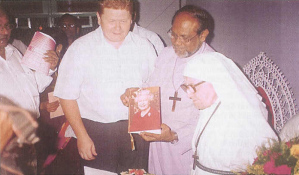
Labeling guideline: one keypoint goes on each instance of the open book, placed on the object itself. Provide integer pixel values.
(33, 57)
(144, 110)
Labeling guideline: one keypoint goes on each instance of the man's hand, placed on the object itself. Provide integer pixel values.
(51, 57)
(86, 148)
(52, 107)
(166, 135)
(125, 97)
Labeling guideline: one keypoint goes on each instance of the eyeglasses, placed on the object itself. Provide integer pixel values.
(67, 26)
(191, 88)
(175, 37)
(7, 26)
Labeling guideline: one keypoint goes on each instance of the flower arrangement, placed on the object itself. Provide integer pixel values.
(279, 158)
(135, 172)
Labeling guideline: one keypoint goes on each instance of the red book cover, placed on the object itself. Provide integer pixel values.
(145, 110)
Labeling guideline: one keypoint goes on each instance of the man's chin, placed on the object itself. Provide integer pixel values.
(182, 55)
(3, 44)
(3, 41)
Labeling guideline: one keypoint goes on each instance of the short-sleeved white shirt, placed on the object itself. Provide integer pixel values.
(19, 83)
(96, 74)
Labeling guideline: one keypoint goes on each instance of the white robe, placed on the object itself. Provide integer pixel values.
(19, 83)
(238, 126)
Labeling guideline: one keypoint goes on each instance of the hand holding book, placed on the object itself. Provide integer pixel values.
(167, 135)
(33, 57)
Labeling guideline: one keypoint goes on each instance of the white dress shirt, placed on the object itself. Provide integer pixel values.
(96, 74)
(19, 83)
(19, 45)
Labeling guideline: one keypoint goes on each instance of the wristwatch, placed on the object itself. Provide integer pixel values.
(175, 140)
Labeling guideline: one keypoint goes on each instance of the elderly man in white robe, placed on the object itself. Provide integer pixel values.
(232, 119)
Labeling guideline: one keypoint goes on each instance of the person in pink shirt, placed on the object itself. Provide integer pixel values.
(171, 151)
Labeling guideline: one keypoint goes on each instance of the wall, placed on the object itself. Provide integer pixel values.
(244, 28)
(156, 16)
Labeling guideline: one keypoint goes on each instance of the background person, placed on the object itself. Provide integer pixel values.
(50, 127)
(61, 45)
(70, 25)
(152, 37)
(232, 121)
(170, 152)
(13, 38)
(19, 83)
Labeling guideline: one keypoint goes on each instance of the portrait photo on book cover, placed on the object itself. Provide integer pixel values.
(144, 110)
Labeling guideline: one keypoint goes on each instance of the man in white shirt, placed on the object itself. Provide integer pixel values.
(18, 82)
(94, 72)
(19, 45)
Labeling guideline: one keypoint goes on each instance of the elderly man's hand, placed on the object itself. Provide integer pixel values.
(166, 135)
(51, 57)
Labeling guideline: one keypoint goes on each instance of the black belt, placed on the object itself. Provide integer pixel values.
(212, 170)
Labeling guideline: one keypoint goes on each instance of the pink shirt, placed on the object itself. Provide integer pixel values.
(166, 158)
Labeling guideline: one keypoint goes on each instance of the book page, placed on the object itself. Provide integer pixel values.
(33, 57)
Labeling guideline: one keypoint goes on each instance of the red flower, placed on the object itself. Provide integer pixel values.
(275, 155)
(289, 144)
(136, 171)
(139, 172)
(266, 153)
(269, 168)
(255, 160)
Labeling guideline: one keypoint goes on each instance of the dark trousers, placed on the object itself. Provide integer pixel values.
(67, 160)
(113, 146)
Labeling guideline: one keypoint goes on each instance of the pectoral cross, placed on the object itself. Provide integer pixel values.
(174, 98)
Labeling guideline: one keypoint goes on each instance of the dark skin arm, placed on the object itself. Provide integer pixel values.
(167, 135)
